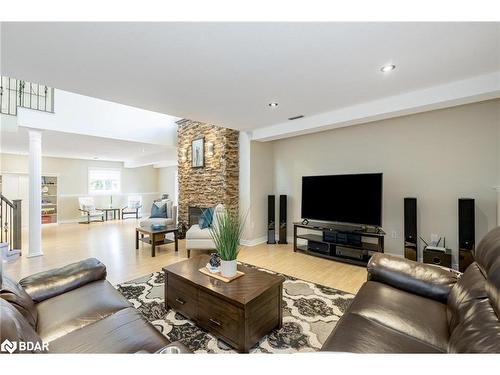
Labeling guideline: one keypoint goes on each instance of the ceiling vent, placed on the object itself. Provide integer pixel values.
(295, 117)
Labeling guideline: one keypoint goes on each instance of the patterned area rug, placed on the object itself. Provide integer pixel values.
(311, 311)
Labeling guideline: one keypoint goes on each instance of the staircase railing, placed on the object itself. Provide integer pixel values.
(18, 93)
(11, 223)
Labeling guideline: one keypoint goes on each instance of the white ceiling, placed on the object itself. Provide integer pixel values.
(77, 146)
(227, 73)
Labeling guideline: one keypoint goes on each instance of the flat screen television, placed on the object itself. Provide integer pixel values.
(348, 198)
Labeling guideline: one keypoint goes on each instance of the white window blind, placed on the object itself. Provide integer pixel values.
(104, 181)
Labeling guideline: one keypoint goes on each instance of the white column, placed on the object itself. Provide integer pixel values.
(35, 194)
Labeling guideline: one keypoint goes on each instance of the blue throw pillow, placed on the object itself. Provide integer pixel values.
(158, 212)
(206, 218)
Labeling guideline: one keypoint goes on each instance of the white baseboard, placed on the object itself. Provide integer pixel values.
(254, 242)
(70, 221)
(261, 240)
(144, 215)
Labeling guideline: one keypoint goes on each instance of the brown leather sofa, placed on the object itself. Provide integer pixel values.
(409, 307)
(75, 310)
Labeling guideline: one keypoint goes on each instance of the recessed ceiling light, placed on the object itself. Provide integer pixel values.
(387, 68)
(273, 104)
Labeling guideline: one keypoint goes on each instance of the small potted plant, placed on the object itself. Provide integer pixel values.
(226, 232)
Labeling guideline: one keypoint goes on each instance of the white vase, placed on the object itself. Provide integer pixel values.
(228, 268)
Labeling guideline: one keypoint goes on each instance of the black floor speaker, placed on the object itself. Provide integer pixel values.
(410, 228)
(271, 222)
(466, 232)
(282, 233)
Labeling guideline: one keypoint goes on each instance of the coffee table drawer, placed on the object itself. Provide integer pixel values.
(182, 296)
(219, 316)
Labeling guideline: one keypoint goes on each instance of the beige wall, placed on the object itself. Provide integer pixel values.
(261, 185)
(166, 181)
(436, 156)
(73, 174)
(256, 182)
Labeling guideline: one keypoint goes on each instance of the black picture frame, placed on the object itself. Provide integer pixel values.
(198, 152)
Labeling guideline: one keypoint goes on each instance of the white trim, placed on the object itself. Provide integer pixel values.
(68, 221)
(114, 194)
(254, 242)
(165, 164)
(49, 224)
(8, 172)
(144, 215)
(26, 173)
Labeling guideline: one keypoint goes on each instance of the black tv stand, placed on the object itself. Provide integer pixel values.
(340, 242)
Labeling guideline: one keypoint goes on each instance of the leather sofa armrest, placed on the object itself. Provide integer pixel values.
(48, 284)
(175, 347)
(423, 279)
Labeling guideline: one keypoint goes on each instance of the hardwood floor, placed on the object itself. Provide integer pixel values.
(113, 243)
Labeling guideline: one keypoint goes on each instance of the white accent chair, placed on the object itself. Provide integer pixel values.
(133, 207)
(201, 239)
(171, 218)
(87, 209)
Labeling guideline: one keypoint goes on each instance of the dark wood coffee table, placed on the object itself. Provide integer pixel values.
(156, 237)
(240, 312)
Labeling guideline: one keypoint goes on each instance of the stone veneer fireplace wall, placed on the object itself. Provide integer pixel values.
(217, 181)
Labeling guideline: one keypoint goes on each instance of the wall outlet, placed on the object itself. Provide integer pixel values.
(395, 234)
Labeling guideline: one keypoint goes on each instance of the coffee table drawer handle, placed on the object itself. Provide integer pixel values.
(178, 300)
(216, 322)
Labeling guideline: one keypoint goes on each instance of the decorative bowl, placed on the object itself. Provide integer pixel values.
(158, 226)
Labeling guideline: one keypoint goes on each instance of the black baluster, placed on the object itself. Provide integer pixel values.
(9, 227)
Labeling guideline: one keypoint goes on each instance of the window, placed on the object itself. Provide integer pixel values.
(104, 181)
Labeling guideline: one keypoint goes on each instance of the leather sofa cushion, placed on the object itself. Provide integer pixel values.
(409, 314)
(478, 332)
(357, 334)
(426, 280)
(77, 308)
(47, 284)
(470, 289)
(123, 332)
(13, 325)
(487, 257)
(14, 293)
